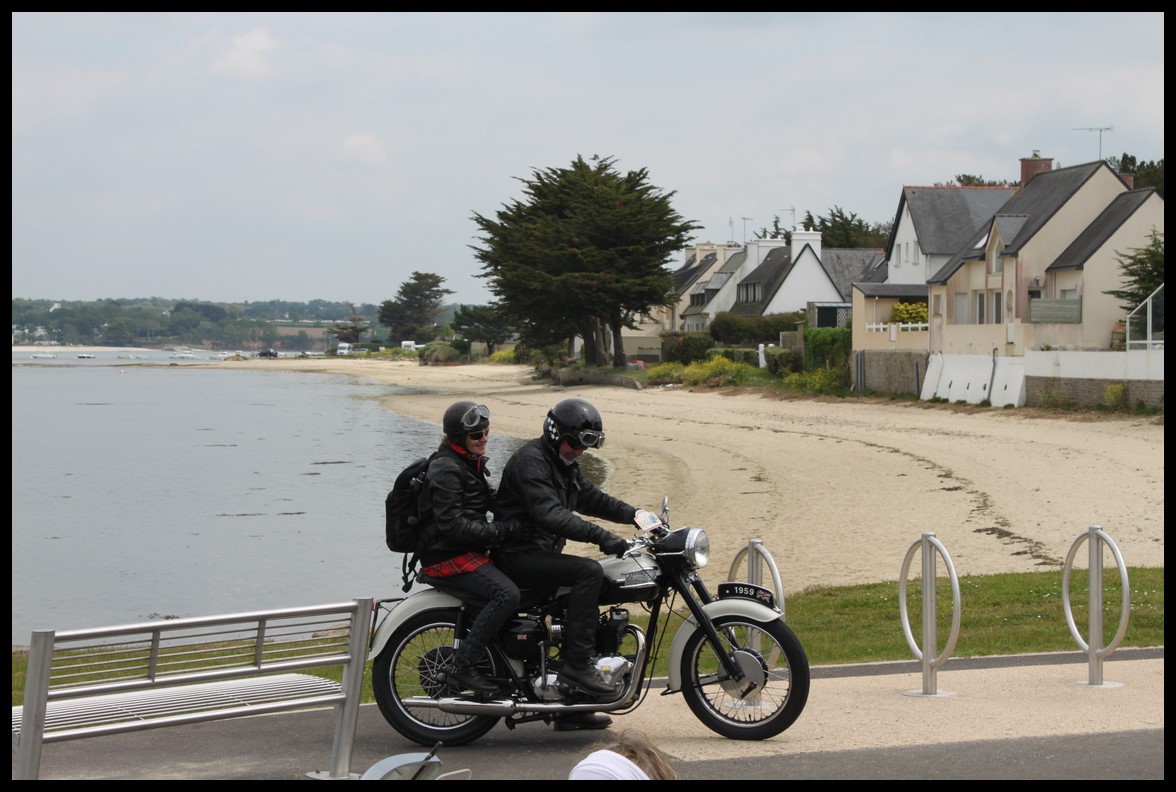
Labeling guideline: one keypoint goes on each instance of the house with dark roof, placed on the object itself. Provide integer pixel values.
(1033, 279)
(708, 300)
(1036, 272)
(1023, 295)
(700, 262)
(930, 226)
(803, 275)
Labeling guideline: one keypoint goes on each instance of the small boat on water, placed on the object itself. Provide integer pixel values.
(183, 354)
(85, 356)
(43, 356)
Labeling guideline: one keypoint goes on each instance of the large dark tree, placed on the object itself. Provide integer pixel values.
(413, 314)
(585, 252)
(485, 323)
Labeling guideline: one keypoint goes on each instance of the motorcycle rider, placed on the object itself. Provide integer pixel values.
(456, 535)
(541, 490)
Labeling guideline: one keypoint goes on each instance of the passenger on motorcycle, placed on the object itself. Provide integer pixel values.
(543, 490)
(456, 536)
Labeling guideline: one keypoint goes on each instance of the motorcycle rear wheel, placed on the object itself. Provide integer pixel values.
(407, 667)
(770, 655)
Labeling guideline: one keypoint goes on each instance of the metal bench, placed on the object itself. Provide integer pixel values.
(112, 680)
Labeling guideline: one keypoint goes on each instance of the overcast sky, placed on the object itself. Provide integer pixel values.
(249, 157)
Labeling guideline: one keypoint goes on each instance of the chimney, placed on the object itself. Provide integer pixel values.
(1031, 166)
(800, 238)
(1129, 178)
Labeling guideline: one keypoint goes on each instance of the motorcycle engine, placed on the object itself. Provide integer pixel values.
(610, 630)
(522, 639)
(612, 668)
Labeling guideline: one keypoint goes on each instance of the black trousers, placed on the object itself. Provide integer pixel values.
(487, 583)
(540, 569)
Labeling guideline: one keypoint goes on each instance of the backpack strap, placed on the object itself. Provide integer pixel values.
(408, 568)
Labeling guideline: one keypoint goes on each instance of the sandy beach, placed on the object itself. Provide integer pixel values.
(838, 491)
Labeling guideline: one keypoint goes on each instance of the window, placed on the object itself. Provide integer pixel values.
(960, 308)
(980, 308)
(996, 314)
(1069, 294)
(995, 262)
(937, 305)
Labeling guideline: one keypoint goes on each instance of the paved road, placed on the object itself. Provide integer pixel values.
(1023, 717)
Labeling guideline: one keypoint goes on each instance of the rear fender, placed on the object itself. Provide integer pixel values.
(428, 599)
(748, 609)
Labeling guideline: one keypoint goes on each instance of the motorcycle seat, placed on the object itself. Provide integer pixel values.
(528, 598)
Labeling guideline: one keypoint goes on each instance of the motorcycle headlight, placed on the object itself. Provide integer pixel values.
(697, 547)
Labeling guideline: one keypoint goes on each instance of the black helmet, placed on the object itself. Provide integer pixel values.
(577, 421)
(464, 417)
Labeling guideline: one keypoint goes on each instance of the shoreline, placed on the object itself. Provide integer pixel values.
(837, 490)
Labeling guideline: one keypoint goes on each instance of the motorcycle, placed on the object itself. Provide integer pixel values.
(741, 669)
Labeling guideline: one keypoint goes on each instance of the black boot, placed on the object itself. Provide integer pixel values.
(587, 679)
(464, 676)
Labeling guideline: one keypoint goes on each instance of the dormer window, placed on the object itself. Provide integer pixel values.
(995, 262)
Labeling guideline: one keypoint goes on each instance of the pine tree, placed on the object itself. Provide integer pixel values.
(1143, 272)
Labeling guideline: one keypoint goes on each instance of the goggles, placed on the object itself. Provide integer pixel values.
(475, 417)
(587, 438)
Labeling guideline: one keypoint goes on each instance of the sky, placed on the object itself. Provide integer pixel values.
(247, 157)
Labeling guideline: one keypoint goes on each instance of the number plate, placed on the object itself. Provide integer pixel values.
(747, 591)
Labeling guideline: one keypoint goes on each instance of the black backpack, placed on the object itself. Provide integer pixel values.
(402, 515)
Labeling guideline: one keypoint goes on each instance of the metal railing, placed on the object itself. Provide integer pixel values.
(1145, 325)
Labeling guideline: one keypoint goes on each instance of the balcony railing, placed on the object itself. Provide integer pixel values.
(1145, 325)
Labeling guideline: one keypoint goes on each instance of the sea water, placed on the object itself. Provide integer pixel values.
(146, 492)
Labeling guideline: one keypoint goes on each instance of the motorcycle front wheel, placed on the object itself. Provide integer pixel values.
(408, 667)
(774, 688)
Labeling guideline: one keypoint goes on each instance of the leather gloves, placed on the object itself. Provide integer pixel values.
(506, 530)
(614, 545)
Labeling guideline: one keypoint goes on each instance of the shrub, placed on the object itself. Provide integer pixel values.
(781, 360)
(909, 313)
(727, 328)
(503, 356)
(439, 352)
(1115, 396)
(685, 348)
(737, 355)
(716, 371)
(830, 381)
(665, 374)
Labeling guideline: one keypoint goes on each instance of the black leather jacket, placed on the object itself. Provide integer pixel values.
(542, 492)
(454, 501)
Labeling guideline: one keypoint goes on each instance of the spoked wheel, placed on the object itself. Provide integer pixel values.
(409, 666)
(775, 683)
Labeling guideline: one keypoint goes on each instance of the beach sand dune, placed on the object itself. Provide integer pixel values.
(838, 491)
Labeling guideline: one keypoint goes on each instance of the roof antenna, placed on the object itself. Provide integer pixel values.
(1099, 130)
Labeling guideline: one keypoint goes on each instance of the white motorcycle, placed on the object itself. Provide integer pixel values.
(741, 669)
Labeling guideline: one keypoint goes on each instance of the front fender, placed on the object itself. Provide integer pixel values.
(427, 599)
(748, 609)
